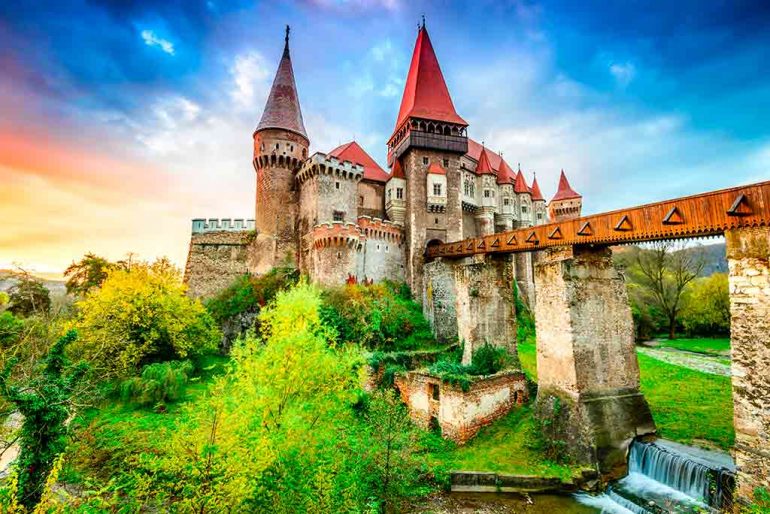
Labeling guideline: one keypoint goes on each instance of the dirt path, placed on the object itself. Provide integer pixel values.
(713, 365)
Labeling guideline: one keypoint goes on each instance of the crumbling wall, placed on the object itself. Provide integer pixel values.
(215, 260)
(748, 257)
(460, 414)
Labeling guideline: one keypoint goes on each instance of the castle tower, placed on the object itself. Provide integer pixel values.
(395, 194)
(485, 215)
(428, 131)
(280, 146)
(507, 201)
(566, 203)
(524, 200)
(540, 215)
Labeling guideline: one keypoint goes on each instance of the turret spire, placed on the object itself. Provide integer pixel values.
(565, 191)
(282, 110)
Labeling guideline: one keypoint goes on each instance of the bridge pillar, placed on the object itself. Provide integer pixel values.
(748, 256)
(486, 311)
(439, 299)
(588, 373)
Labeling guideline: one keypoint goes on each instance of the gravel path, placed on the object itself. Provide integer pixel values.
(699, 362)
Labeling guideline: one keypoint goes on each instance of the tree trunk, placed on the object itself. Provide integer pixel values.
(672, 329)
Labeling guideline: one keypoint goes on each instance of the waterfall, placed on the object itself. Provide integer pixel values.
(665, 476)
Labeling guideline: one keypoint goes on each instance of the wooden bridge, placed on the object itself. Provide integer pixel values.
(588, 374)
(706, 214)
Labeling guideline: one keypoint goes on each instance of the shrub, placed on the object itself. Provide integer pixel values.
(159, 383)
(140, 316)
(379, 317)
(486, 360)
(248, 293)
(10, 328)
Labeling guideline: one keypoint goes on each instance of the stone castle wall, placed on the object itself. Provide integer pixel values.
(748, 257)
(460, 414)
(439, 299)
(215, 260)
(371, 199)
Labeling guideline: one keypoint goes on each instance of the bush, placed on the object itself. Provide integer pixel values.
(379, 317)
(140, 316)
(158, 384)
(486, 360)
(250, 293)
(10, 329)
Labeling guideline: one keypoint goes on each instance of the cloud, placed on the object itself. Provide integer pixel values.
(250, 75)
(624, 73)
(152, 39)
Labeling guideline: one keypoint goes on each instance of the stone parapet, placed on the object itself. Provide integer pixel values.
(201, 225)
(215, 260)
(320, 163)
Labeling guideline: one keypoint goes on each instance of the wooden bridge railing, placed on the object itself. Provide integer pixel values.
(706, 214)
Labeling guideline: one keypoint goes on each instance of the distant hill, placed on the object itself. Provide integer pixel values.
(55, 286)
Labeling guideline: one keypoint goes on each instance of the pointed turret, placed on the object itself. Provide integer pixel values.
(505, 174)
(565, 191)
(484, 167)
(537, 196)
(520, 185)
(282, 109)
(566, 203)
(425, 94)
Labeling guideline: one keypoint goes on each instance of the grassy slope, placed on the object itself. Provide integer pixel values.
(688, 406)
(716, 346)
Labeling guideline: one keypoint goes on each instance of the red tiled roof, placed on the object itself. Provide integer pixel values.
(474, 152)
(282, 109)
(398, 171)
(436, 169)
(505, 174)
(535, 190)
(484, 167)
(565, 191)
(354, 153)
(425, 93)
(520, 186)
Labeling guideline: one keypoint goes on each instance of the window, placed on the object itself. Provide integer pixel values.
(446, 163)
(337, 185)
(262, 147)
(434, 391)
(360, 200)
(278, 146)
(435, 221)
(486, 193)
(378, 248)
(425, 161)
(506, 201)
(467, 188)
(339, 216)
(400, 193)
(291, 148)
(390, 194)
(539, 215)
(436, 189)
(524, 209)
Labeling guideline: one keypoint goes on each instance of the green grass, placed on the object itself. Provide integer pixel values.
(688, 406)
(712, 346)
(506, 446)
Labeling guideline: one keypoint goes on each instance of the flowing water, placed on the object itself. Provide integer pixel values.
(663, 477)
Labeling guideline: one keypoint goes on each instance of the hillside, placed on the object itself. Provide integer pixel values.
(56, 287)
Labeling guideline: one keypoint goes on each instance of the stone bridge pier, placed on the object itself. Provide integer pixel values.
(472, 299)
(588, 396)
(748, 257)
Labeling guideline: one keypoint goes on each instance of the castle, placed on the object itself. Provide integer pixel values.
(338, 216)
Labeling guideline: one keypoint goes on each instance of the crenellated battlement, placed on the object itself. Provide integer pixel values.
(322, 164)
(202, 225)
(376, 228)
(336, 234)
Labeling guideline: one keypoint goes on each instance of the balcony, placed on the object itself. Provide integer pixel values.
(431, 141)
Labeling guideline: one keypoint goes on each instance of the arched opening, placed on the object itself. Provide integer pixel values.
(431, 243)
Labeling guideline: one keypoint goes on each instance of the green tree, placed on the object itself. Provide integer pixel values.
(140, 316)
(4, 299)
(28, 296)
(86, 274)
(664, 271)
(45, 401)
(10, 329)
(707, 306)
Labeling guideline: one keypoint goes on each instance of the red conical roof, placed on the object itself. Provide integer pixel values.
(520, 186)
(282, 108)
(425, 93)
(398, 171)
(354, 153)
(565, 192)
(484, 167)
(505, 174)
(536, 194)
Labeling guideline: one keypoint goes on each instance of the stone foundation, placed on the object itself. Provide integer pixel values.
(215, 260)
(439, 298)
(748, 257)
(588, 372)
(486, 310)
(460, 414)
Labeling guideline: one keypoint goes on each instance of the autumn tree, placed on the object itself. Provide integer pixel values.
(140, 316)
(45, 401)
(664, 271)
(86, 274)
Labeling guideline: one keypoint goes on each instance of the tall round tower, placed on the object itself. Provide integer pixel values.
(280, 146)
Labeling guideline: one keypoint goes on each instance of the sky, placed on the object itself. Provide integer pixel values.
(120, 121)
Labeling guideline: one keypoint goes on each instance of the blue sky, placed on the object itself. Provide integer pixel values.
(123, 120)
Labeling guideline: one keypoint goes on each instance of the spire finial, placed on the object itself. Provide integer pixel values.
(288, 29)
(519, 164)
(423, 21)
